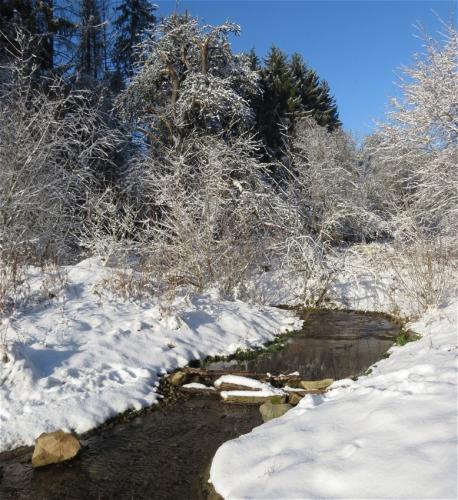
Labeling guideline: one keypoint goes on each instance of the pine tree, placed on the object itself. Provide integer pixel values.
(279, 101)
(315, 96)
(37, 18)
(326, 113)
(291, 91)
(134, 17)
(90, 46)
(255, 64)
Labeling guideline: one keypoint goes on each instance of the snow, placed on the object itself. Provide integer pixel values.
(390, 434)
(196, 385)
(76, 362)
(266, 392)
(239, 380)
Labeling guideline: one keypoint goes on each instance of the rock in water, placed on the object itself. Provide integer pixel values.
(177, 378)
(294, 398)
(270, 410)
(54, 447)
(316, 385)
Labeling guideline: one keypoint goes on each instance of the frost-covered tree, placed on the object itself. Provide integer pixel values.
(188, 79)
(327, 182)
(50, 142)
(197, 181)
(412, 174)
(414, 153)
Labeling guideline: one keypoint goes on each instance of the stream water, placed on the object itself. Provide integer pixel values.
(164, 452)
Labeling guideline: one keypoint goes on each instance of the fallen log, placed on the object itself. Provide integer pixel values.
(263, 377)
(252, 397)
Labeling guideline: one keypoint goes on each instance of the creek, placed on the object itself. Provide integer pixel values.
(164, 451)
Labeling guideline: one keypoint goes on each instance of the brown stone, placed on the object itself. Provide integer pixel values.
(270, 411)
(177, 378)
(316, 385)
(54, 447)
(294, 397)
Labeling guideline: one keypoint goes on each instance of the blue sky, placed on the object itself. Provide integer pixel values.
(355, 45)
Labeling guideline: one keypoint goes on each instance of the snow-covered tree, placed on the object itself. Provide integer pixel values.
(50, 142)
(326, 181)
(414, 153)
(412, 173)
(188, 79)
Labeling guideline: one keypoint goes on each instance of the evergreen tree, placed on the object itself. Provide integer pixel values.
(316, 99)
(90, 44)
(280, 100)
(134, 17)
(36, 17)
(291, 92)
(255, 64)
(326, 113)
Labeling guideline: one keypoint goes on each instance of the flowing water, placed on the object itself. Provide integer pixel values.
(164, 452)
(331, 344)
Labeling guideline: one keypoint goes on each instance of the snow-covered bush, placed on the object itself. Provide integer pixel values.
(207, 208)
(425, 271)
(50, 141)
(326, 182)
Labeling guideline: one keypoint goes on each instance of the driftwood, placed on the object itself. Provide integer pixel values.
(251, 399)
(227, 386)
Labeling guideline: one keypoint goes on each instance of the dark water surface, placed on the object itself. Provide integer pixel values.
(331, 344)
(164, 452)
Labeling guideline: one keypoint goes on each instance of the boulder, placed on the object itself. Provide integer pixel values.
(177, 378)
(316, 385)
(54, 447)
(294, 398)
(270, 410)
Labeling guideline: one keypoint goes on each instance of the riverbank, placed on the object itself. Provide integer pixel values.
(80, 359)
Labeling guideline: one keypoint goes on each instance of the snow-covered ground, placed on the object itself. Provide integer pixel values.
(74, 363)
(390, 434)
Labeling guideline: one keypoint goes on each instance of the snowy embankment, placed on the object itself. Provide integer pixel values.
(74, 363)
(390, 434)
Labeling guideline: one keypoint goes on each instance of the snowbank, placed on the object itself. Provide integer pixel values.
(75, 363)
(391, 434)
